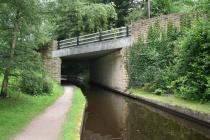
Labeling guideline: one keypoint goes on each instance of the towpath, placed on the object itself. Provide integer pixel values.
(48, 125)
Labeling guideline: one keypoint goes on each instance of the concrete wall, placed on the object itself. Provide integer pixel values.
(52, 65)
(110, 71)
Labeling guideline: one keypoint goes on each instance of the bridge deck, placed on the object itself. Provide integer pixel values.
(95, 37)
(94, 49)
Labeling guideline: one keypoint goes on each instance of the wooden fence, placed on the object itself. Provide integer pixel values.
(95, 37)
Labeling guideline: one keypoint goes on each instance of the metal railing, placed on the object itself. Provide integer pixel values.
(95, 37)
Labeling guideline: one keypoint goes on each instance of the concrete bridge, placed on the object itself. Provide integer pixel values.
(103, 51)
(93, 45)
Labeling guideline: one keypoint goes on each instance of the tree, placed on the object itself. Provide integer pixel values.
(19, 22)
(161, 7)
(204, 6)
(81, 18)
(122, 7)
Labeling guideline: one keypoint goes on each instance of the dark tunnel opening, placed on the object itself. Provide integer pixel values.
(101, 68)
(76, 72)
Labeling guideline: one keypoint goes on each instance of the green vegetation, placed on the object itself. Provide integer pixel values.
(122, 8)
(173, 62)
(192, 63)
(148, 63)
(71, 130)
(80, 18)
(36, 85)
(176, 61)
(18, 110)
(161, 7)
(173, 100)
(20, 32)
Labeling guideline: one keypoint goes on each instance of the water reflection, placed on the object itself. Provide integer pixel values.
(144, 123)
(110, 116)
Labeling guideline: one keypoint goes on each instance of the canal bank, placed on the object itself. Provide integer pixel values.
(72, 128)
(116, 116)
(184, 112)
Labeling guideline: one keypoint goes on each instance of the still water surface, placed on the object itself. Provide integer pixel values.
(113, 117)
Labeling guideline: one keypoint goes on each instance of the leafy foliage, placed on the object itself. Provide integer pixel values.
(161, 7)
(173, 62)
(81, 19)
(20, 32)
(149, 63)
(193, 62)
(36, 84)
(122, 7)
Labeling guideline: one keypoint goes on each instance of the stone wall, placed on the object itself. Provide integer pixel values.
(110, 71)
(52, 65)
(140, 28)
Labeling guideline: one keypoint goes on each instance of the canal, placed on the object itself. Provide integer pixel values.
(110, 116)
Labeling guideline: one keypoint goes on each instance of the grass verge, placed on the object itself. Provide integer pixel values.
(71, 129)
(173, 100)
(16, 112)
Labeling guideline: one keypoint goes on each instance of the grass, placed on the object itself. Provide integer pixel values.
(71, 129)
(173, 100)
(17, 111)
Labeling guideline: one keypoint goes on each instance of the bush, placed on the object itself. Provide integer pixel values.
(35, 84)
(173, 62)
(47, 85)
(188, 88)
(150, 63)
(161, 7)
(192, 64)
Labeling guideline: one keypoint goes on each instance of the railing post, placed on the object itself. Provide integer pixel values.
(58, 43)
(100, 35)
(78, 41)
(127, 31)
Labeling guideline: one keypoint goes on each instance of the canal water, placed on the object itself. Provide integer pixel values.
(110, 116)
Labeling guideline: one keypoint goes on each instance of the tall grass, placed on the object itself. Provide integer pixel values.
(174, 100)
(71, 129)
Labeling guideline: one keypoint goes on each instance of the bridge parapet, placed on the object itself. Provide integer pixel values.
(95, 37)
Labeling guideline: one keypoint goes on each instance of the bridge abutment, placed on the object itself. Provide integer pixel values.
(110, 71)
(52, 64)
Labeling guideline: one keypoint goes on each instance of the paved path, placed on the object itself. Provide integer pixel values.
(47, 126)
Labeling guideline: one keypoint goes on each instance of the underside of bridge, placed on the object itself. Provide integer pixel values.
(105, 68)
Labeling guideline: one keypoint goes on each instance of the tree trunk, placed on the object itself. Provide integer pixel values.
(4, 89)
(5, 83)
